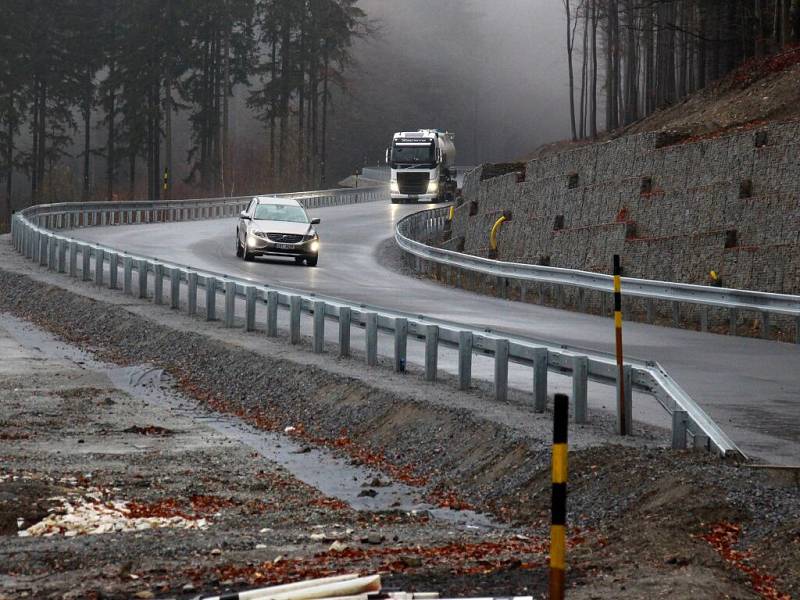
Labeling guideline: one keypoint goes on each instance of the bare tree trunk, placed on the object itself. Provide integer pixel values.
(111, 156)
(226, 76)
(593, 86)
(324, 151)
(5, 213)
(570, 69)
(584, 73)
(168, 108)
(87, 133)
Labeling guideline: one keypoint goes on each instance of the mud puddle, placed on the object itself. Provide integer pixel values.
(333, 476)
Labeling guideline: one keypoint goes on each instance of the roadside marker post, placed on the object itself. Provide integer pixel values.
(558, 527)
(622, 408)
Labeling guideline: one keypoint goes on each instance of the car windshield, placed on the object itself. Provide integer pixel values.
(281, 212)
(412, 154)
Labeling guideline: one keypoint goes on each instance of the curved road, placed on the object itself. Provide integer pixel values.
(750, 387)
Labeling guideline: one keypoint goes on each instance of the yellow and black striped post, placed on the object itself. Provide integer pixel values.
(558, 527)
(166, 181)
(621, 408)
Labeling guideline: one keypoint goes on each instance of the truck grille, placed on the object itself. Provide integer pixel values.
(285, 238)
(413, 183)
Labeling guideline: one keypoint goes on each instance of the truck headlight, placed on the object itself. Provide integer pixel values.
(433, 187)
(394, 187)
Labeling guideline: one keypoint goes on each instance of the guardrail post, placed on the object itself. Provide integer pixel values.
(797, 330)
(62, 256)
(680, 423)
(540, 363)
(272, 314)
(501, 370)
(230, 303)
(295, 309)
(703, 318)
(142, 278)
(733, 315)
(431, 352)
(400, 344)
(175, 288)
(464, 359)
(158, 285)
(580, 381)
(191, 293)
(211, 299)
(86, 256)
(650, 308)
(345, 318)
(251, 296)
(627, 417)
(73, 258)
(42, 256)
(372, 338)
(113, 268)
(99, 262)
(676, 313)
(127, 275)
(765, 325)
(318, 340)
(51, 255)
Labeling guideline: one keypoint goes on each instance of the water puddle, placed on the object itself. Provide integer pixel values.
(320, 468)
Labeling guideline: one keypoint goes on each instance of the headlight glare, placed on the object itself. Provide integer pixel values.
(433, 187)
(315, 246)
(394, 187)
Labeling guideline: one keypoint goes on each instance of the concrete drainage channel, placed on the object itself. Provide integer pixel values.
(335, 477)
(144, 277)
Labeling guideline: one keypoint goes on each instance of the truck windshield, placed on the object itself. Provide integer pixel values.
(412, 154)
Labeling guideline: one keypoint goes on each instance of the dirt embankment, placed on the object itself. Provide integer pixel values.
(761, 91)
(644, 522)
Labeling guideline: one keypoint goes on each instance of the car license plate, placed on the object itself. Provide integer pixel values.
(284, 246)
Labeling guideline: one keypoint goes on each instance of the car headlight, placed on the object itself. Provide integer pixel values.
(312, 235)
(433, 187)
(394, 187)
(315, 246)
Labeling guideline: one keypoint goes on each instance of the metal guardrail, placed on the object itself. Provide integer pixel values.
(430, 222)
(32, 236)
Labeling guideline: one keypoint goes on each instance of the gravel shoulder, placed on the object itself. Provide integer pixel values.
(645, 521)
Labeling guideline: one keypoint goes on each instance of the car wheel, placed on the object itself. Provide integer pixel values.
(311, 261)
(299, 260)
(395, 201)
(238, 248)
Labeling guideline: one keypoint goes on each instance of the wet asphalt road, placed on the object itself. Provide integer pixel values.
(750, 387)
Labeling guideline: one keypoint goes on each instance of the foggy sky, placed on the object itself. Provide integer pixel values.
(509, 61)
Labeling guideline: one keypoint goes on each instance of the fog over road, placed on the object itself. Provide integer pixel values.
(749, 386)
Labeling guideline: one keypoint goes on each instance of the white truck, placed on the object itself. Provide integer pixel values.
(422, 166)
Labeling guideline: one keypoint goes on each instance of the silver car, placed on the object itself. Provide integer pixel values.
(280, 227)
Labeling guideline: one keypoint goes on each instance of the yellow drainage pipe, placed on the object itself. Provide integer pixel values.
(493, 235)
(452, 212)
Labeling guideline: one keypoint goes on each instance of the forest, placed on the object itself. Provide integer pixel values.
(628, 58)
(75, 71)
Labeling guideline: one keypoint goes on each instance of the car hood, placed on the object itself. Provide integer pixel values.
(280, 227)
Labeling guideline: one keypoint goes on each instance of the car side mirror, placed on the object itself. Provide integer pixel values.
(244, 215)
(316, 221)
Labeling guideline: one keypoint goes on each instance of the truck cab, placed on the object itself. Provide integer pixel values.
(422, 166)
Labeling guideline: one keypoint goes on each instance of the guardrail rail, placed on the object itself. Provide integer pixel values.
(35, 235)
(428, 223)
